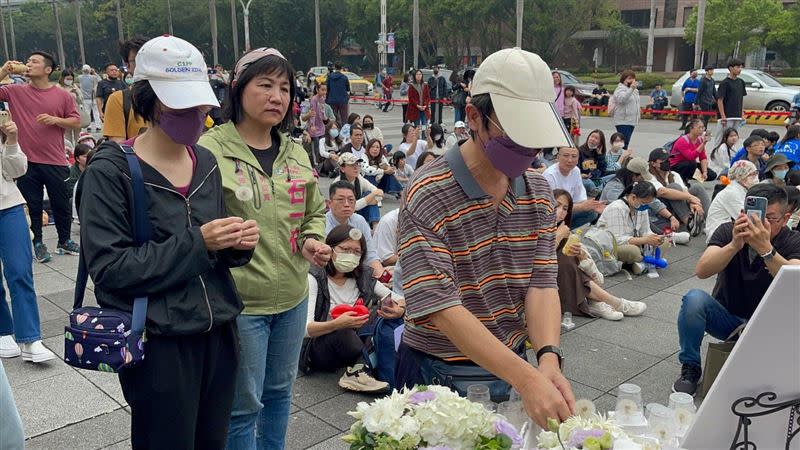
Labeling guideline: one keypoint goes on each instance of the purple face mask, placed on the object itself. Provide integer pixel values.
(509, 157)
(184, 126)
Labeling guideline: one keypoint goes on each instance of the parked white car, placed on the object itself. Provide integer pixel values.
(764, 92)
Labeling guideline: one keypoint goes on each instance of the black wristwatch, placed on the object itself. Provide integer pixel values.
(550, 349)
(769, 255)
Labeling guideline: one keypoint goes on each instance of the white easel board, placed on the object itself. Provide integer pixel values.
(766, 359)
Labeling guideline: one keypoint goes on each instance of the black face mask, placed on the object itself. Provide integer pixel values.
(368, 126)
(665, 165)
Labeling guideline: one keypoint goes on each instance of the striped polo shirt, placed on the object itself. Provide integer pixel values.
(457, 249)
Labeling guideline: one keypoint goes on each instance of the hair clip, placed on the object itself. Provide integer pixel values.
(355, 234)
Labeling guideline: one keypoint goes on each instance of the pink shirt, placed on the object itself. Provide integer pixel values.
(42, 144)
(683, 150)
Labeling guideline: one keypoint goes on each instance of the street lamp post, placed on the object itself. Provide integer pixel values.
(59, 38)
(169, 17)
(415, 31)
(11, 29)
(317, 33)
(212, 11)
(120, 32)
(520, 6)
(651, 36)
(235, 29)
(698, 37)
(3, 30)
(246, 8)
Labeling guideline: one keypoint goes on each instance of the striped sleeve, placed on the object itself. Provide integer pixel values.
(428, 281)
(545, 262)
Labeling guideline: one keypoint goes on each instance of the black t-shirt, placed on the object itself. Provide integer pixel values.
(732, 93)
(107, 87)
(742, 283)
(267, 157)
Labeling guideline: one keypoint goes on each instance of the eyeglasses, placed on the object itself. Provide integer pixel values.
(774, 219)
(345, 200)
(348, 251)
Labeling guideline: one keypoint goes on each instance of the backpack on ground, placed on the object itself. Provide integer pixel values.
(602, 247)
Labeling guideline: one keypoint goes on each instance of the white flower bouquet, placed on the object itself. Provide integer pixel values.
(429, 417)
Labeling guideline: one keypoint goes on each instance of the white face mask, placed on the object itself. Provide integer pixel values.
(68, 82)
(617, 146)
(345, 262)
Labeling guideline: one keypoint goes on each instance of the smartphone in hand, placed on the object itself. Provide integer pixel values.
(757, 205)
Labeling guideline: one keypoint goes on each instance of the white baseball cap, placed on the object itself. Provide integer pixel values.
(176, 72)
(460, 124)
(521, 87)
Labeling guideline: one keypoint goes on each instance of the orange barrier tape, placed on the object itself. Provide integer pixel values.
(443, 101)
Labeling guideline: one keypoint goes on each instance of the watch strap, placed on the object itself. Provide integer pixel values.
(550, 349)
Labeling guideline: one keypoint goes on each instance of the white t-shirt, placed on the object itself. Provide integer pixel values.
(386, 234)
(422, 146)
(346, 294)
(572, 183)
(677, 180)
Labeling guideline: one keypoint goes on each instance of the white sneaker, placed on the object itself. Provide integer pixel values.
(358, 380)
(8, 348)
(630, 308)
(36, 352)
(604, 310)
(638, 268)
(681, 237)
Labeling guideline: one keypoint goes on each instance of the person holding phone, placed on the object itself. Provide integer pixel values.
(346, 280)
(745, 254)
(627, 112)
(688, 153)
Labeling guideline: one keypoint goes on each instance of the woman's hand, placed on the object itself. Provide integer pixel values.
(220, 234)
(10, 130)
(250, 236)
(350, 320)
(562, 233)
(395, 311)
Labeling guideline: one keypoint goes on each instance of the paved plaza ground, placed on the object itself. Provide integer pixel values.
(66, 408)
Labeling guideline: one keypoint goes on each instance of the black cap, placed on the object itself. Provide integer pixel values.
(657, 154)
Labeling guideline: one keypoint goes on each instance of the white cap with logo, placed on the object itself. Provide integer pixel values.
(176, 72)
(521, 87)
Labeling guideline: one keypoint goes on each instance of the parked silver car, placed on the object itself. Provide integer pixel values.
(583, 91)
(764, 92)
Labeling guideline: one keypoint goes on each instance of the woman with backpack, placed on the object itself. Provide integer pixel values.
(335, 323)
(579, 280)
(628, 220)
(182, 393)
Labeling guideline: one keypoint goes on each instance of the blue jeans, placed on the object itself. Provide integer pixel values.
(422, 120)
(702, 313)
(16, 257)
(11, 434)
(580, 218)
(627, 131)
(270, 351)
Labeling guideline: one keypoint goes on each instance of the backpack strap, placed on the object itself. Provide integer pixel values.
(141, 234)
(127, 105)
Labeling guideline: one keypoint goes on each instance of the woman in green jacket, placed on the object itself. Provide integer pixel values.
(268, 178)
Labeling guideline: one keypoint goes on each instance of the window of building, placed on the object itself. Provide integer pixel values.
(637, 18)
(687, 12)
(670, 13)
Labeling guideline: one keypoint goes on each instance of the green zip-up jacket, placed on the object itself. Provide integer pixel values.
(288, 208)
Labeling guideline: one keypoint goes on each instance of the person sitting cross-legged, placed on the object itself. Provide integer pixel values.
(745, 255)
(566, 175)
(335, 341)
(687, 204)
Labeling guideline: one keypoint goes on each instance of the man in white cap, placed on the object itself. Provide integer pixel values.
(88, 85)
(477, 247)
(459, 134)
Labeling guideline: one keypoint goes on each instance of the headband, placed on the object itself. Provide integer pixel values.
(251, 57)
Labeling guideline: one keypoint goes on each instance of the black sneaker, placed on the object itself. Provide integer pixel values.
(41, 253)
(690, 377)
(696, 224)
(68, 248)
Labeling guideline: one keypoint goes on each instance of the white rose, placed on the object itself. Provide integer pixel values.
(548, 439)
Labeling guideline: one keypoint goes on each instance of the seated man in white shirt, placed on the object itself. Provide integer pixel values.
(459, 134)
(687, 204)
(342, 211)
(412, 145)
(728, 204)
(566, 175)
(386, 237)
